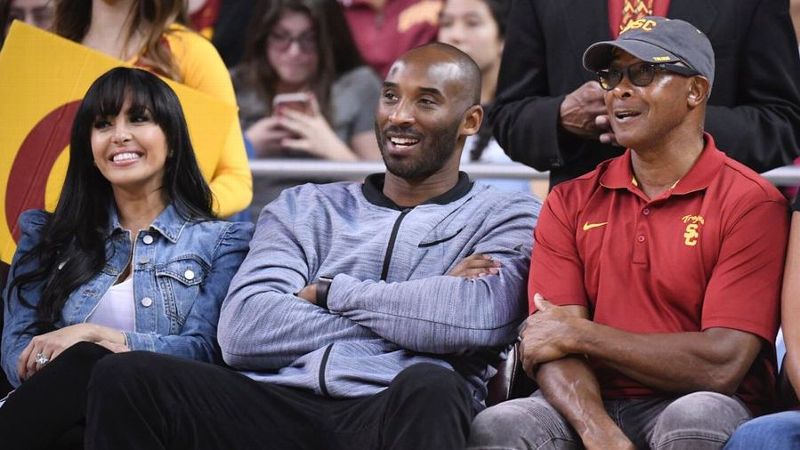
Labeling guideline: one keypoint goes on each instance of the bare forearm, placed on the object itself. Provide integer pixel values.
(571, 388)
(715, 360)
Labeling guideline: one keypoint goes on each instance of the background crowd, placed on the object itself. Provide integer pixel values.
(306, 76)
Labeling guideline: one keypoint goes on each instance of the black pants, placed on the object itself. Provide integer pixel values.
(48, 410)
(148, 401)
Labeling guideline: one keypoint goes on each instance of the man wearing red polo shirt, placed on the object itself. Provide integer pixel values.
(655, 278)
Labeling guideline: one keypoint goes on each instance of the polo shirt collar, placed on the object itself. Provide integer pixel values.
(373, 192)
(619, 174)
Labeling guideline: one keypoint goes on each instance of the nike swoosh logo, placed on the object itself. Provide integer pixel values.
(588, 226)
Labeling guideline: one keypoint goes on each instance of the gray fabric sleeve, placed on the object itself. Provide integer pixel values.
(263, 325)
(445, 314)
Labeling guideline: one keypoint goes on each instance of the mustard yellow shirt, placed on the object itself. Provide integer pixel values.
(201, 68)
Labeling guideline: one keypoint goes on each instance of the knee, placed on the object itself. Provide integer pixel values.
(520, 424)
(84, 352)
(775, 431)
(496, 426)
(432, 383)
(707, 417)
(121, 369)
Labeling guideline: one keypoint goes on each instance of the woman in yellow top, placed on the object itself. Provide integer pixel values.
(144, 33)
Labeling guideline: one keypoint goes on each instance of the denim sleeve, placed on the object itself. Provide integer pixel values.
(16, 316)
(446, 314)
(198, 337)
(263, 325)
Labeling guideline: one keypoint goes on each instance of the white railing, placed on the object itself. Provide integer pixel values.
(326, 170)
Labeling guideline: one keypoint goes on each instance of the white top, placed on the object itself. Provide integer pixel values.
(116, 308)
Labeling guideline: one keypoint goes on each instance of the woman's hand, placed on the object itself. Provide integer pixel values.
(266, 135)
(50, 345)
(313, 135)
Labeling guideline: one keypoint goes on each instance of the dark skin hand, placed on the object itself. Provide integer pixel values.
(309, 293)
(568, 382)
(471, 267)
(475, 266)
(715, 359)
(583, 113)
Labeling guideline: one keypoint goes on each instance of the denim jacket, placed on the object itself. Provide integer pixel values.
(181, 272)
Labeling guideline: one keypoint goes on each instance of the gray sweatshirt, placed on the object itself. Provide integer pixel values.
(390, 303)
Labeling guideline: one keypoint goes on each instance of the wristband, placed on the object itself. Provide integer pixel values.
(323, 287)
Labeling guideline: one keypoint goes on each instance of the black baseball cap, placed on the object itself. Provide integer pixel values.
(657, 40)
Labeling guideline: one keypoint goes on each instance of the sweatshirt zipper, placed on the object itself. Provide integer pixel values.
(390, 248)
(323, 387)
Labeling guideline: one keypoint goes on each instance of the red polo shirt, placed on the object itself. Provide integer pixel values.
(707, 253)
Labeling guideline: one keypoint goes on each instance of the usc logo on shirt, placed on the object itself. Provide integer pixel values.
(692, 233)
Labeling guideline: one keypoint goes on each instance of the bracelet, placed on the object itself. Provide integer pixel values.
(124, 339)
(323, 288)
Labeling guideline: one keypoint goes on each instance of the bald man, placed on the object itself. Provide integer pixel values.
(366, 315)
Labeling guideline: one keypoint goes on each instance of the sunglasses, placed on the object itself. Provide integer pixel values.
(282, 41)
(640, 74)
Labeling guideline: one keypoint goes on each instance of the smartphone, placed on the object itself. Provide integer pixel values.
(296, 101)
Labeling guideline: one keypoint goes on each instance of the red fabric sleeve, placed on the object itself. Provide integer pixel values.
(556, 269)
(744, 290)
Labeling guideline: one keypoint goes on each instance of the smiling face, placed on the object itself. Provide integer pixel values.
(292, 50)
(130, 149)
(421, 116)
(646, 116)
(469, 26)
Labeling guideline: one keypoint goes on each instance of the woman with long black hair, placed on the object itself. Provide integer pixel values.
(147, 34)
(132, 258)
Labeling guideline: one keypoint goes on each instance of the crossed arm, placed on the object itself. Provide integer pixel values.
(264, 325)
(716, 359)
(556, 338)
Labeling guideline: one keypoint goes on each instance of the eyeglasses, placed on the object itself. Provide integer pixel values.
(640, 74)
(282, 41)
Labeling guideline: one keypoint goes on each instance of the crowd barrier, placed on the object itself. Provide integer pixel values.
(327, 170)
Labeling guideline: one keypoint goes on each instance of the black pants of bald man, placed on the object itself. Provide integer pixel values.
(149, 401)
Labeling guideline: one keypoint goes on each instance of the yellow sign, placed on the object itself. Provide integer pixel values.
(43, 77)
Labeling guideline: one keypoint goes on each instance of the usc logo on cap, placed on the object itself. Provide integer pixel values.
(640, 24)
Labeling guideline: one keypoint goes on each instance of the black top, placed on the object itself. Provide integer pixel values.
(373, 192)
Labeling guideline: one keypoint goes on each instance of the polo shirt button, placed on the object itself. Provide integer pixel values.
(147, 239)
(640, 238)
(147, 301)
(189, 274)
(646, 211)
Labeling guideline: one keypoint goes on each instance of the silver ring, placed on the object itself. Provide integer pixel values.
(41, 359)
